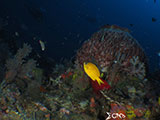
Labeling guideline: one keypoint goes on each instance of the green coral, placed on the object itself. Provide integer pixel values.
(147, 114)
(130, 113)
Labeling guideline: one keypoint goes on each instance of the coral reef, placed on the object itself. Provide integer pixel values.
(65, 92)
(115, 52)
(63, 102)
(23, 73)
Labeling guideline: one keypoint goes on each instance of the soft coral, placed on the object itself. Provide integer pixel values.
(96, 87)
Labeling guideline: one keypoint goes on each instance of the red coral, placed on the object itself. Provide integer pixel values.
(96, 87)
(66, 75)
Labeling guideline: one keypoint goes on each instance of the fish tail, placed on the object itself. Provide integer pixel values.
(100, 81)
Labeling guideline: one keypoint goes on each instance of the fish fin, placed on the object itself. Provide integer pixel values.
(100, 81)
(102, 74)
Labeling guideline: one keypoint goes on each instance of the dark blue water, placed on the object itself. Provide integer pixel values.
(65, 24)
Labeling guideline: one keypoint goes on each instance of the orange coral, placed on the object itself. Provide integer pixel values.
(139, 112)
(66, 75)
(42, 89)
(92, 102)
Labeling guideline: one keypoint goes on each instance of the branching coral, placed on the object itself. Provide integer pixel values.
(136, 68)
(18, 66)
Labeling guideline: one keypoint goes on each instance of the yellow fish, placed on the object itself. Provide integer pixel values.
(93, 72)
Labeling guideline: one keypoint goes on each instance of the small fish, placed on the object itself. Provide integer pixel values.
(158, 54)
(154, 19)
(17, 34)
(24, 27)
(131, 25)
(93, 72)
(42, 45)
(154, 1)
